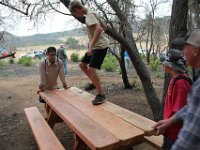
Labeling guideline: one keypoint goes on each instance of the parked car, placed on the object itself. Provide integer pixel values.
(30, 54)
(39, 54)
(35, 54)
(3, 52)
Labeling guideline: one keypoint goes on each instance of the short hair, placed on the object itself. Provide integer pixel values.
(75, 4)
(51, 49)
(61, 45)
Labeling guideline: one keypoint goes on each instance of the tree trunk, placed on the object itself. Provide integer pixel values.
(178, 29)
(127, 84)
(130, 46)
(178, 23)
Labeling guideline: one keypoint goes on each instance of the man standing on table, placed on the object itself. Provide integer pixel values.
(97, 48)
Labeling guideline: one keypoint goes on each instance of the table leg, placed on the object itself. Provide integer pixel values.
(79, 144)
(53, 118)
(47, 108)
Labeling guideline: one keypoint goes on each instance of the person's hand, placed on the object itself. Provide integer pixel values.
(162, 125)
(89, 51)
(41, 87)
(39, 91)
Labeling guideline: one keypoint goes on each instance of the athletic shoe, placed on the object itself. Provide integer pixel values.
(89, 87)
(99, 99)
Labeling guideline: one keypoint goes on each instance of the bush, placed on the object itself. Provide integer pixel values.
(2, 63)
(143, 56)
(74, 57)
(11, 61)
(27, 61)
(110, 63)
(154, 64)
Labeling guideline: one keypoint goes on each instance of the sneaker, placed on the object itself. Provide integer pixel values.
(41, 100)
(99, 99)
(89, 87)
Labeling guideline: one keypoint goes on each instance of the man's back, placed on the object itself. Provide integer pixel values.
(61, 53)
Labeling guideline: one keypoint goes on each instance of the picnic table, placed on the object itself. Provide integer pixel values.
(102, 127)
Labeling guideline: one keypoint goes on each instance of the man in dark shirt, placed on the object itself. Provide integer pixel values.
(61, 54)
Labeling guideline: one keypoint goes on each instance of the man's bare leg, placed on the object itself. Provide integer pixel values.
(84, 68)
(91, 73)
(95, 79)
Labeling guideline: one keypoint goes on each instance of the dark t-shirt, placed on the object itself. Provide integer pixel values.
(61, 53)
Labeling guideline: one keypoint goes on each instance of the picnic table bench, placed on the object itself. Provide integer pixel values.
(103, 127)
(44, 136)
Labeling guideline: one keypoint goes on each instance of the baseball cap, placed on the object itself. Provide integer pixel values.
(174, 59)
(192, 38)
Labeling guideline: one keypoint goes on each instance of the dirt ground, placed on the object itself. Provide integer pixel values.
(18, 86)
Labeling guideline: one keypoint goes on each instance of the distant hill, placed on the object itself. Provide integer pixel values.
(41, 39)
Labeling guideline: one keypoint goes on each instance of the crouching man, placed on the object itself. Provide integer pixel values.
(49, 70)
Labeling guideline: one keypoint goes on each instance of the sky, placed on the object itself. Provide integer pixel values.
(55, 22)
(58, 22)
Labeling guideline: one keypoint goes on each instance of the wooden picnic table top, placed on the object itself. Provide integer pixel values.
(105, 126)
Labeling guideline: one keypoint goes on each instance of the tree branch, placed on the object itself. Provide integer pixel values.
(58, 10)
(18, 10)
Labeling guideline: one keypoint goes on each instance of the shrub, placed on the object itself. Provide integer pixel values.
(108, 66)
(154, 64)
(74, 57)
(143, 56)
(27, 61)
(110, 63)
(11, 61)
(2, 63)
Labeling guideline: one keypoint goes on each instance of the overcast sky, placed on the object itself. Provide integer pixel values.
(55, 22)
(58, 22)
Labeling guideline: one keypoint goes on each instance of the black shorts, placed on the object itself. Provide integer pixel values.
(96, 59)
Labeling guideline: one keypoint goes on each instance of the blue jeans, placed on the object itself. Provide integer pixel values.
(127, 62)
(65, 66)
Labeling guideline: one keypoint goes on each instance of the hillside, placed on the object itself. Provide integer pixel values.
(41, 39)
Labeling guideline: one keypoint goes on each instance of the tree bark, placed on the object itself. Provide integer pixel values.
(140, 67)
(178, 23)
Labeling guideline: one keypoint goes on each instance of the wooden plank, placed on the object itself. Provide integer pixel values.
(155, 141)
(123, 130)
(137, 120)
(44, 136)
(95, 136)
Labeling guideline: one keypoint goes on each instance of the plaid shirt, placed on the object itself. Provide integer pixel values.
(189, 136)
